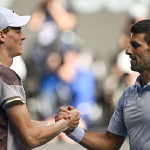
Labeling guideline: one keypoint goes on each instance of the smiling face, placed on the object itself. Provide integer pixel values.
(139, 53)
(13, 41)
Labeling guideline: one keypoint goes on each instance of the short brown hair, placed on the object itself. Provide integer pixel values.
(6, 29)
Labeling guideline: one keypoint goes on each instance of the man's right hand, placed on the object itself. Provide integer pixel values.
(71, 115)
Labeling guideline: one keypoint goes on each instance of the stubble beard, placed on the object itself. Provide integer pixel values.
(136, 67)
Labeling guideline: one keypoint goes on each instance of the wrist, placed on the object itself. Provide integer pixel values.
(77, 134)
(64, 124)
(48, 124)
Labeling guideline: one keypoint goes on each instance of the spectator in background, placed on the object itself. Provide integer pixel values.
(49, 20)
(81, 83)
(49, 84)
(72, 85)
(52, 10)
(61, 84)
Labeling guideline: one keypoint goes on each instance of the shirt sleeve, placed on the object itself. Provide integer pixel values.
(10, 93)
(117, 124)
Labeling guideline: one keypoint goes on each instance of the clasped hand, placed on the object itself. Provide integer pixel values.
(71, 116)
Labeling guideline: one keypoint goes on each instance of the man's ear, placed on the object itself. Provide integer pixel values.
(2, 39)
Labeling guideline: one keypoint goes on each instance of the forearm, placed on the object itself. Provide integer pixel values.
(97, 141)
(39, 123)
(91, 140)
(33, 133)
(38, 135)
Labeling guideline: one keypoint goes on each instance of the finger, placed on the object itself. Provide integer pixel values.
(56, 116)
(76, 122)
(74, 125)
(70, 108)
(57, 119)
(61, 116)
(62, 109)
(74, 111)
(62, 113)
(67, 116)
(77, 119)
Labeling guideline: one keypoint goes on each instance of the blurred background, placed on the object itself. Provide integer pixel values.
(74, 54)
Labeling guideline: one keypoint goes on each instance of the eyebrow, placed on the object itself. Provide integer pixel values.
(134, 42)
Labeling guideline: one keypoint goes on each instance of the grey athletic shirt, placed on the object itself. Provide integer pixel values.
(11, 89)
(132, 116)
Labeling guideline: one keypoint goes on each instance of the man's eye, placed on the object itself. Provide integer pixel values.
(135, 45)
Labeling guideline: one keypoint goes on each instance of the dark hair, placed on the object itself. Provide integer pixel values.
(142, 27)
(6, 29)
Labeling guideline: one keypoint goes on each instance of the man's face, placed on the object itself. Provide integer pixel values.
(139, 53)
(13, 41)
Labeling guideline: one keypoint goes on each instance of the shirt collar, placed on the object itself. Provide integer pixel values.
(138, 82)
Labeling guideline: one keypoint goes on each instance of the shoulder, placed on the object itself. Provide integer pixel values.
(9, 76)
(126, 95)
(128, 91)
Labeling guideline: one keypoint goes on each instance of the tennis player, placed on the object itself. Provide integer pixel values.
(17, 130)
(132, 114)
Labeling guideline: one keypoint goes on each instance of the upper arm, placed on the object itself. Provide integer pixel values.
(19, 118)
(10, 87)
(117, 123)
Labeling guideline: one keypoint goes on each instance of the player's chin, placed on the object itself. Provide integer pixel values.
(135, 68)
(18, 53)
(19, 50)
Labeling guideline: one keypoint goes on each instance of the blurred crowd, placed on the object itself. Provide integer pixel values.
(68, 73)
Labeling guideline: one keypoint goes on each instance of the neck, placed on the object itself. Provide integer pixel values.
(6, 63)
(145, 78)
(5, 59)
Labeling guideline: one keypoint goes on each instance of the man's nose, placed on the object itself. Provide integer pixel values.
(23, 37)
(129, 50)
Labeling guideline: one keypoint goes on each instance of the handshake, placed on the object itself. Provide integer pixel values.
(70, 116)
